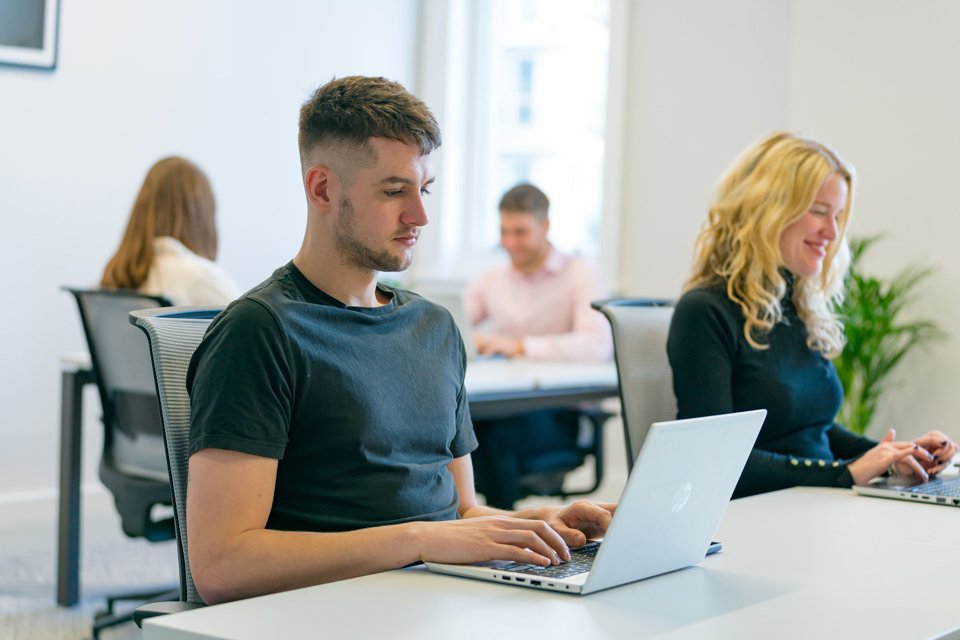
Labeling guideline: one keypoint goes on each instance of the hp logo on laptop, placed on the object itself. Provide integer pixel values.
(680, 497)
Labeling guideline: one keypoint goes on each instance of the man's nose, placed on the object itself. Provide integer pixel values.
(415, 213)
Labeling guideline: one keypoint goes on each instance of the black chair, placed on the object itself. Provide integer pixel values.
(133, 464)
(542, 474)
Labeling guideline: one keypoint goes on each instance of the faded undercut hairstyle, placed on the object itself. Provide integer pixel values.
(770, 186)
(345, 113)
(526, 198)
(175, 200)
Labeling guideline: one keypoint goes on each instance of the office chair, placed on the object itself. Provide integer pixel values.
(133, 462)
(542, 474)
(640, 328)
(173, 334)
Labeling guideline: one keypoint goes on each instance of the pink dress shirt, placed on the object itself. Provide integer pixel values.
(549, 310)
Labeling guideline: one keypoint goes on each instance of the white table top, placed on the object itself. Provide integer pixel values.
(801, 563)
(486, 375)
(500, 374)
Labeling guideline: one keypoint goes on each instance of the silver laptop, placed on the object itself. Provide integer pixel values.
(675, 497)
(944, 489)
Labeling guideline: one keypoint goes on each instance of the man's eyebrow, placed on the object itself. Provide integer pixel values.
(399, 180)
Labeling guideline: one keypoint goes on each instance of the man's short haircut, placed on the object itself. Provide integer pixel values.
(347, 112)
(526, 198)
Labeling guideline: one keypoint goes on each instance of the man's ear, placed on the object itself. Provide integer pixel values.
(320, 182)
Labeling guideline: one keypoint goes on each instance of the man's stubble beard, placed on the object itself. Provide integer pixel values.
(356, 254)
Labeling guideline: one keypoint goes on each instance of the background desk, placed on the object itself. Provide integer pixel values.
(495, 388)
(499, 387)
(802, 563)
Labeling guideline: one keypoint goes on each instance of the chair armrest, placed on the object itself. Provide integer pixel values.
(153, 609)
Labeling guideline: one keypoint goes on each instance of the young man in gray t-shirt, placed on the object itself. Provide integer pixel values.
(331, 436)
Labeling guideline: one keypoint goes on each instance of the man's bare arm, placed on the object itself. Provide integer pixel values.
(233, 555)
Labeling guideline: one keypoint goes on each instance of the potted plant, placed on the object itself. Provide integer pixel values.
(878, 337)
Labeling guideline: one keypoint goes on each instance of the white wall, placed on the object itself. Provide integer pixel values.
(704, 78)
(876, 79)
(217, 81)
(879, 79)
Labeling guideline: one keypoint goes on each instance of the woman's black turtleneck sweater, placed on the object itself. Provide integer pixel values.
(715, 370)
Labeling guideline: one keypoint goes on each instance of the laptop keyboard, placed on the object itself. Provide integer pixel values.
(581, 560)
(948, 488)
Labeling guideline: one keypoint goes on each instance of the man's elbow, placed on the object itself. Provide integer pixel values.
(213, 580)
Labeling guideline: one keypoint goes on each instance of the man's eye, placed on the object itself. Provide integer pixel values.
(394, 193)
(424, 191)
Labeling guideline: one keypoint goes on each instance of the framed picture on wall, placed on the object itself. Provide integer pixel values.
(28, 32)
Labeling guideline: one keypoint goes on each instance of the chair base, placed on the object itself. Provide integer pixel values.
(155, 609)
(110, 618)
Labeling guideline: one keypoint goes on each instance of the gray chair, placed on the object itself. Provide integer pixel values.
(133, 463)
(640, 328)
(173, 334)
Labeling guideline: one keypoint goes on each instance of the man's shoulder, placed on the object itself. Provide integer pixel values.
(264, 303)
(413, 302)
(496, 271)
(576, 261)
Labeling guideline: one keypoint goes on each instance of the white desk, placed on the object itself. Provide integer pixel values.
(500, 387)
(803, 563)
(493, 375)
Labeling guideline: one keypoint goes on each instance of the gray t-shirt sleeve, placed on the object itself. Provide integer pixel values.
(241, 397)
(466, 440)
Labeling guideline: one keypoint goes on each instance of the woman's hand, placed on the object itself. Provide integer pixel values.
(941, 448)
(902, 455)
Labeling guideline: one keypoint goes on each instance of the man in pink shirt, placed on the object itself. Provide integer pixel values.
(537, 307)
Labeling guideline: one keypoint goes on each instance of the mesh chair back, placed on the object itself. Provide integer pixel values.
(121, 365)
(640, 328)
(174, 334)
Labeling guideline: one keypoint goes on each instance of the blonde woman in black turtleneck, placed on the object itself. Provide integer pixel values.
(756, 326)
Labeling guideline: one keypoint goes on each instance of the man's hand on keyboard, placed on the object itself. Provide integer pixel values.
(576, 523)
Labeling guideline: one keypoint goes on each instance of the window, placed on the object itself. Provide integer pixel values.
(522, 86)
(541, 111)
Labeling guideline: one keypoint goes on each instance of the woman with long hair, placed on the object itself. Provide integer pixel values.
(756, 326)
(170, 242)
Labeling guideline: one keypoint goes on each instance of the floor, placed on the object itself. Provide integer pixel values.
(111, 562)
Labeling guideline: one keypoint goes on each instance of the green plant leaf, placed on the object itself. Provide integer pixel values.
(877, 337)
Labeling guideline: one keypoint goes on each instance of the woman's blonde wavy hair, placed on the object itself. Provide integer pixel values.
(175, 200)
(769, 187)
